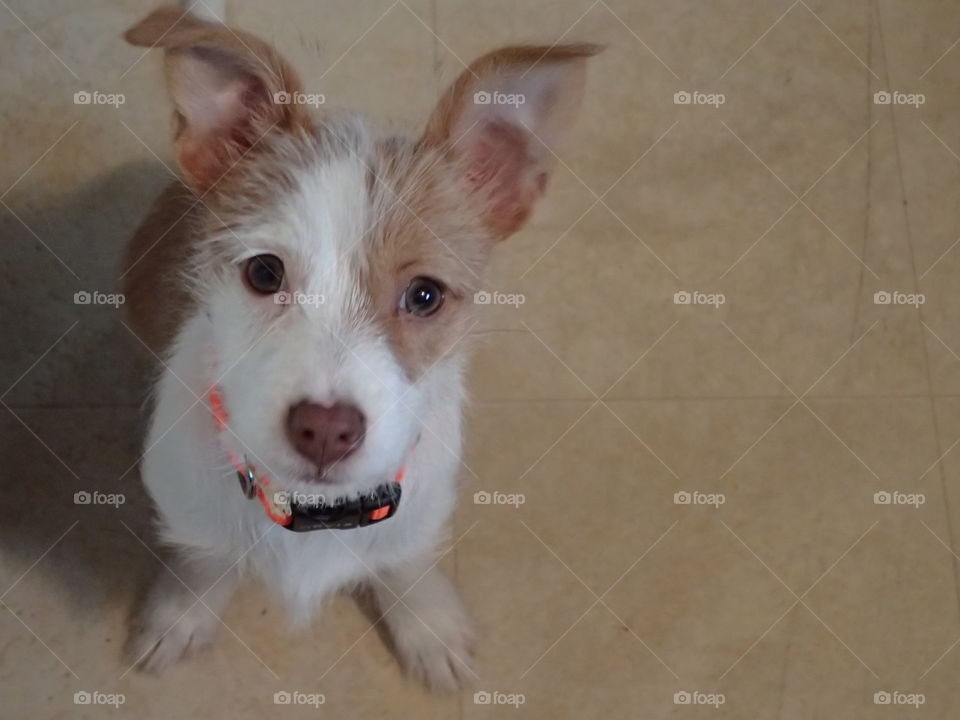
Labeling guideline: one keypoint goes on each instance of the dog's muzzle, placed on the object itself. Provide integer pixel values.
(296, 516)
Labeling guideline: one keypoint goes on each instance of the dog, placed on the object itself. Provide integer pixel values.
(306, 288)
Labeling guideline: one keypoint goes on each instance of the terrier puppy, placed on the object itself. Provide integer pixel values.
(307, 286)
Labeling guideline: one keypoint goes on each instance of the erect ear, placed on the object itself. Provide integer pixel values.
(504, 117)
(229, 89)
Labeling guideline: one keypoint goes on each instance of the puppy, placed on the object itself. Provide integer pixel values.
(306, 288)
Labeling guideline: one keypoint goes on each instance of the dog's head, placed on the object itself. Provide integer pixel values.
(337, 267)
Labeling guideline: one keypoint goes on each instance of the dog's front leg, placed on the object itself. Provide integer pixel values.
(181, 611)
(432, 631)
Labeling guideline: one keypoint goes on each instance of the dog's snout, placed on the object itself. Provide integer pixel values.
(325, 435)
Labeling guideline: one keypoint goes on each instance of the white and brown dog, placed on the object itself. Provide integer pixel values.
(307, 286)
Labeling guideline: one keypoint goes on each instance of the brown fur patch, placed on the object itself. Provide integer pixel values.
(157, 297)
(428, 225)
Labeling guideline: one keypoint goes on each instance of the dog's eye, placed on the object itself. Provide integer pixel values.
(422, 297)
(264, 274)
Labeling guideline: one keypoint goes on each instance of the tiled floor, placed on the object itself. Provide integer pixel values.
(597, 400)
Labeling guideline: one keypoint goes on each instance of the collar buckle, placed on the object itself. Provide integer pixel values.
(248, 482)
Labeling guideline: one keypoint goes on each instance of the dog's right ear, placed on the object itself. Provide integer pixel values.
(229, 90)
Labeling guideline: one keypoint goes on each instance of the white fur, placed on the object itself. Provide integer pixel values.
(265, 362)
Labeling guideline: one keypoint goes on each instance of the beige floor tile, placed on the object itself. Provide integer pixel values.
(800, 501)
(378, 61)
(917, 58)
(791, 300)
(531, 587)
(886, 353)
(511, 364)
(939, 315)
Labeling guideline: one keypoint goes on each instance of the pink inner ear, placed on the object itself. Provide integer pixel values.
(500, 167)
(220, 112)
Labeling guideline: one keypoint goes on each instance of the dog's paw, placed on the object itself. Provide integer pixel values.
(164, 634)
(436, 647)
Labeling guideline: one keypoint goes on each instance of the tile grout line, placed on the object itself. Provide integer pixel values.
(923, 336)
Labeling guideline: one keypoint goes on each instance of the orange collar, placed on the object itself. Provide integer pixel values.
(285, 511)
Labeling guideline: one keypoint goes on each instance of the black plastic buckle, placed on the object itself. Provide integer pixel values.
(344, 515)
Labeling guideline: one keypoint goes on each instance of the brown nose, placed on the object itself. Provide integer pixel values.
(325, 435)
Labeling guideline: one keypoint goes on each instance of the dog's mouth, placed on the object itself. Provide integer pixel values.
(334, 480)
(323, 476)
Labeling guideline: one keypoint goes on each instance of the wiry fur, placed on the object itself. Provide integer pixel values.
(355, 216)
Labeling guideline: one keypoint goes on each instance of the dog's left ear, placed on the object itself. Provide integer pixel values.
(229, 88)
(503, 119)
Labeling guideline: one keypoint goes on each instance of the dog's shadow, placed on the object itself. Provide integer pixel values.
(75, 517)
